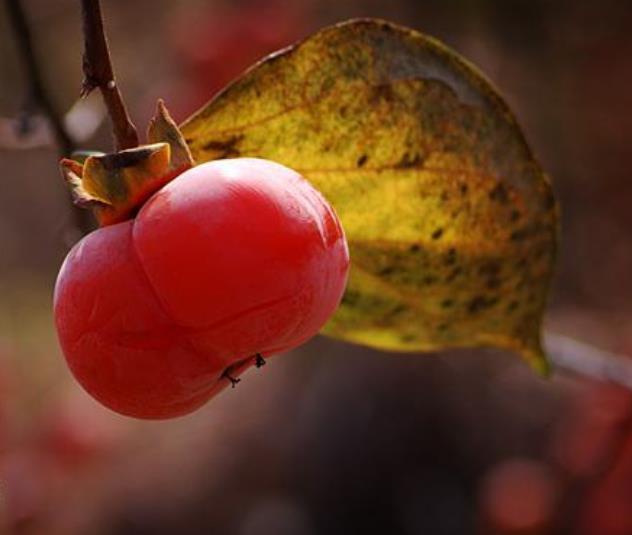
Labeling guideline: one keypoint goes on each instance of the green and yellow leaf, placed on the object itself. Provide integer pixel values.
(451, 223)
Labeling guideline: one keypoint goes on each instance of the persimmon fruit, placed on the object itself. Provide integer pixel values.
(229, 262)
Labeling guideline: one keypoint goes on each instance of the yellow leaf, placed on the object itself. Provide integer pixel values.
(451, 223)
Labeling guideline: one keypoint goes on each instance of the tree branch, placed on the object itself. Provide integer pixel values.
(588, 361)
(38, 96)
(98, 73)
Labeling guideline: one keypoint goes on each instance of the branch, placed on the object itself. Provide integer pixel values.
(38, 96)
(40, 99)
(98, 73)
(80, 122)
(588, 361)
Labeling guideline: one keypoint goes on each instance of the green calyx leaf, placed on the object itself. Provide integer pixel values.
(451, 223)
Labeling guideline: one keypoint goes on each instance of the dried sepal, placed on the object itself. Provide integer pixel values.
(163, 129)
(72, 172)
(116, 185)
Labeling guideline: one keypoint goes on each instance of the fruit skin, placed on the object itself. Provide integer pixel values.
(230, 259)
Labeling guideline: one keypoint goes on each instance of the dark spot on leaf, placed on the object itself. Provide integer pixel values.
(350, 297)
(399, 308)
(429, 279)
(437, 234)
(226, 148)
(415, 248)
(493, 283)
(442, 327)
(362, 160)
(463, 189)
(514, 216)
(519, 235)
(541, 252)
(326, 146)
(521, 263)
(381, 92)
(513, 305)
(447, 303)
(499, 194)
(385, 27)
(491, 268)
(480, 302)
(386, 270)
(549, 200)
(450, 257)
(454, 274)
(407, 161)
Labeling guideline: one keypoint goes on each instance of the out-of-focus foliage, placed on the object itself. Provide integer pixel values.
(450, 221)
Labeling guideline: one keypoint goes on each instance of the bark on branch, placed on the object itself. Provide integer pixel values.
(98, 73)
(38, 97)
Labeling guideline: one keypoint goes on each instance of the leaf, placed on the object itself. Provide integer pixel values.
(451, 223)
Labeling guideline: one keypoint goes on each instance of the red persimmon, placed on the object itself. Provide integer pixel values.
(231, 259)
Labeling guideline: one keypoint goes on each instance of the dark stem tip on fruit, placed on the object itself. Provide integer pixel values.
(233, 380)
(259, 360)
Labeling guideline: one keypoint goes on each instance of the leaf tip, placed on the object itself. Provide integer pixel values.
(163, 129)
(538, 361)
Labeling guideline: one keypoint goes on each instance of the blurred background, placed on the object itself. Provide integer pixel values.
(331, 439)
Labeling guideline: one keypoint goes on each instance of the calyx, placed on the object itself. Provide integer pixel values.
(116, 185)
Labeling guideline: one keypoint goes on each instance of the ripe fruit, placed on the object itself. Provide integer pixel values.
(230, 260)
